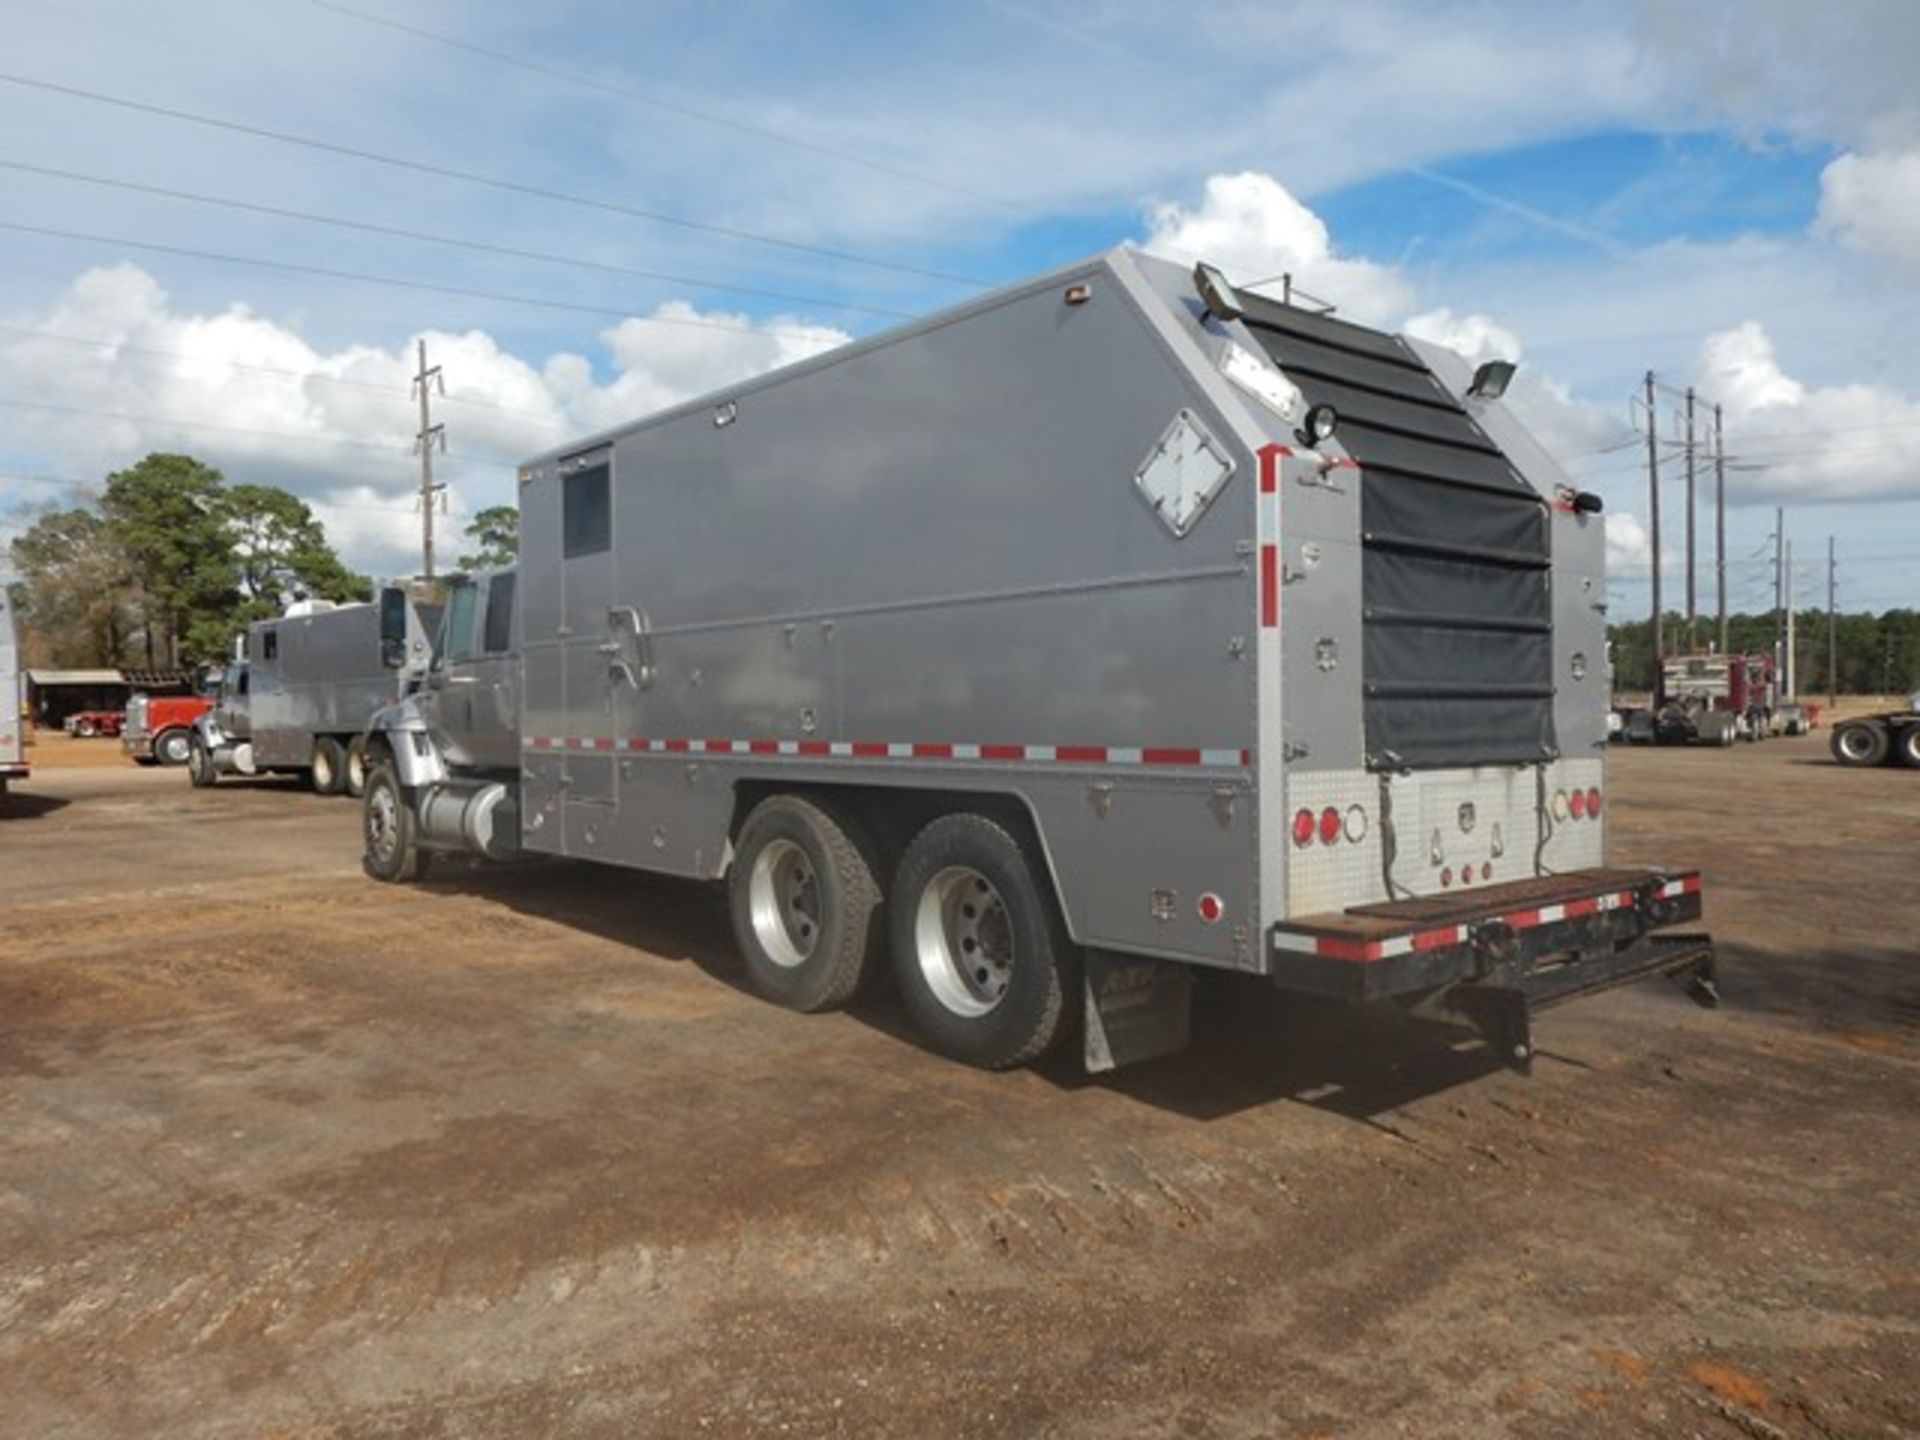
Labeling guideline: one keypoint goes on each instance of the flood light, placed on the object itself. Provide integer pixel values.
(1318, 427)
(1216, 294)
(1490, 381)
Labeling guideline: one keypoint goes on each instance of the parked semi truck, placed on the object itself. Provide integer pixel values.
(158, 729)
(1109, 628)
(1709, 700)
(13, 703)
(298, 696)
(1889, 739)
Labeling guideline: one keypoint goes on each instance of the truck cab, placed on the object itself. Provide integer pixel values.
(469, 700)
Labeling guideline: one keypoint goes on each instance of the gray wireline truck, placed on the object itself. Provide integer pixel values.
(297, 698)
(1052, 647)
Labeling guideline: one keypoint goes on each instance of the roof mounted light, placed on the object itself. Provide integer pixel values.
(1216, 294)
(1490, 381)
(1318, 427)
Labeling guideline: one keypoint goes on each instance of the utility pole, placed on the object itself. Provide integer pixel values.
(1692, 630)
(1833, 633)
(1779, 591)
(1720, 523)
(1653, 521)
(424, 440)
(1793, 679)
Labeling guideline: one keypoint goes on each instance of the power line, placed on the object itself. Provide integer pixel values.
(166, 420)
(469, 177)
(673, 107)
(76, 483)
(309, 376)
(456, 241)
(396, 282)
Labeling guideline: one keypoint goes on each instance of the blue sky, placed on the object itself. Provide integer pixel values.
(1712, 189)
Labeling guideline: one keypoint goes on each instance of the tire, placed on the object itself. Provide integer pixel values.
(201, 772)
(172, 747)
(1906, 746)
(356, 771)
(389, 830)
(1861, 743)
(328, 771)
(964, 891)
(805, 899)
(85, 729)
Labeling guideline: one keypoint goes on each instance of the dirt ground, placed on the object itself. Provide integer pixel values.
(287, 1153)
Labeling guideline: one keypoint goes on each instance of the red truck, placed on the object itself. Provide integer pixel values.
(159, 728)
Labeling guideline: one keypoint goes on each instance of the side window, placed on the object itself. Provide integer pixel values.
(460, 609)
(240, 681)
(270, 645)
(586, 511)
(499, 637)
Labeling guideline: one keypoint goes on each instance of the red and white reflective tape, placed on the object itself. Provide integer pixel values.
(1341, 947)
(904, 750)
(1269, 527)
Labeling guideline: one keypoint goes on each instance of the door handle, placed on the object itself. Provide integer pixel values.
(640, 676)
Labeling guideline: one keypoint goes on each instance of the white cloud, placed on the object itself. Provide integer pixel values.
(1872, 203)
(1250, 226)
(1475, 336)
(1629, 548)
(251, 396)
(1817, 442)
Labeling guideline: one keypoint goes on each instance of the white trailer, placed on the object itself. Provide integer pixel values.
(13, 703)
(1107, 628)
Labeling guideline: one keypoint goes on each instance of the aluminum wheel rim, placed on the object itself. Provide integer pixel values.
(1857, 743)
(783, 901)
(383, 823)
(963, 940)
(170, 750)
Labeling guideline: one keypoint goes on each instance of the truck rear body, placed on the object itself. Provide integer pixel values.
(1069, 549)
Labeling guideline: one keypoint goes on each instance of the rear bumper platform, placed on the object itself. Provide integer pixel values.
(1488, 958)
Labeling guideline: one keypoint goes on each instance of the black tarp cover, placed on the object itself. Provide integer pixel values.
(1456, 582)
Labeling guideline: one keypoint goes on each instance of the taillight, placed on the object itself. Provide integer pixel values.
(1356, 824)
(1593, 802)
(1577, 803)
(1303, 828)
(1446, 877)
(1329, 825)
(1559, 804)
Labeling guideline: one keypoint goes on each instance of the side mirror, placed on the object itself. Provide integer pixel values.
(1588, 503)
(393, 627)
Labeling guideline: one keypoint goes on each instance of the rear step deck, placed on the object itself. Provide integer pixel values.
(1488, 957)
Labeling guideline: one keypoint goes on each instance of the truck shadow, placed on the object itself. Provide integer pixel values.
(25, 805)
(1251, 1045)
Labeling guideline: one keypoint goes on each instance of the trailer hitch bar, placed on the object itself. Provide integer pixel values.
(1502, 1010)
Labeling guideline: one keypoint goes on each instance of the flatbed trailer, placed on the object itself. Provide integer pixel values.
(1052, 649)
(1892, 738)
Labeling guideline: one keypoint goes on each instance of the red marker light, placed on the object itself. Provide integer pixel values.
(1329, 825)
(1593, 801)
(1577, 803)
(1303, 828)
(1211, 908)
(1446, 876)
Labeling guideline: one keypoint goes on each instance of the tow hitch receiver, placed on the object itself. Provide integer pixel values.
(1489, 959)
(1501, 1006)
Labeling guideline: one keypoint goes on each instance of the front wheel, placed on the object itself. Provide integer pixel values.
(328, 766)
(201, 771)
(173, 747)
(805, 901)
(85, 729)
(983, 961)
(389, 830)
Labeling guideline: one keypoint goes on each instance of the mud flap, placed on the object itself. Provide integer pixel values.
(1135, 1009)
